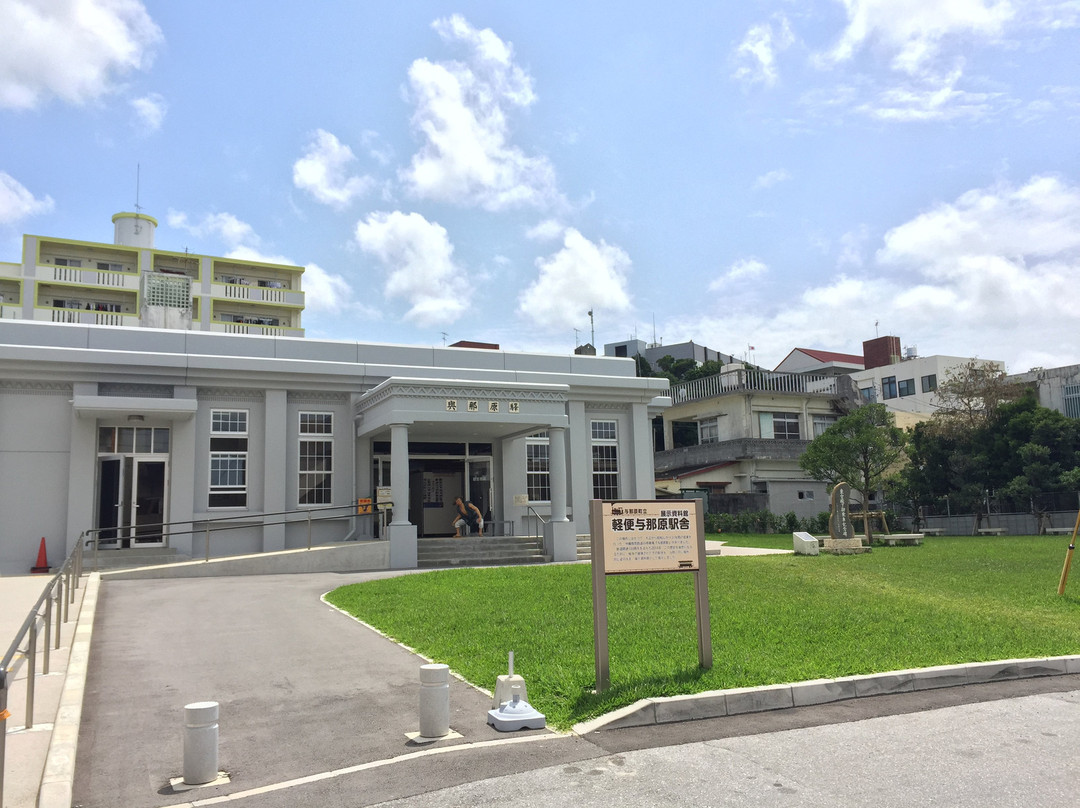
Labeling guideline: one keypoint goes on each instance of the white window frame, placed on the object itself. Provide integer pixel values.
(709, 430)
(767, 424)
(605, 451)
(538, 467)
(315, 443)
(823, 422)
(233, 424)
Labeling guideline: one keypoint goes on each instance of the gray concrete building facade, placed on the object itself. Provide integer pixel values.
(117, 430)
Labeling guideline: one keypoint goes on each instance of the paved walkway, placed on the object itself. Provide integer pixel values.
(315, 708)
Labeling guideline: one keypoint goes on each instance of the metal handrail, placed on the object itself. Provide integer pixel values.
(61, 590)
(93, 535)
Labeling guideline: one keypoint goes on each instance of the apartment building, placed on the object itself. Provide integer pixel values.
(132, 283)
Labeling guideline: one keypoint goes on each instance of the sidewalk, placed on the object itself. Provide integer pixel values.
(27, 749)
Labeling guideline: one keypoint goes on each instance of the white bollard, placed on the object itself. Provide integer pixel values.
(200, 743)
(434, 700)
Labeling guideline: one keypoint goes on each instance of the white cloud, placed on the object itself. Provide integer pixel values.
(72, 49)
(546, 230)
(771, 178)
(462, 112)
(581, 276)
(991, 274)
(150, 110)
(933, 98)
(17, 203)
(323, 171)
(756, 54)
(419, 257)
(913, 31)
(225, 226)
(743, 269)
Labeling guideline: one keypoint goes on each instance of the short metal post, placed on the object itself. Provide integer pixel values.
(31, 668)
(309, 530)
(208, 541)
(200, 742)
(434, 700)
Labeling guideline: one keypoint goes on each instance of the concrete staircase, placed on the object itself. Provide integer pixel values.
(479, 551)
(584, 547)
(127, 558)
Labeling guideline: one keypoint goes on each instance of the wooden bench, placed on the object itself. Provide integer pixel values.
(991, 531)
(893, 539)
(1060, 531)
(932, 531)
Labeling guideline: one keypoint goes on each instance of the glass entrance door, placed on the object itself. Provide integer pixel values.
(148, 503)
(133, 484)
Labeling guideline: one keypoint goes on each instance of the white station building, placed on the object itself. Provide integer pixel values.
(116, 430)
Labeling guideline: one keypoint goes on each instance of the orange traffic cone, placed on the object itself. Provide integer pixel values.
(42, 559)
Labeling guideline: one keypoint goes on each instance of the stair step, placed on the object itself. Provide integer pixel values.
(475, 551)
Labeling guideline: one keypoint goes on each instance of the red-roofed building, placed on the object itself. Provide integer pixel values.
(820, 363)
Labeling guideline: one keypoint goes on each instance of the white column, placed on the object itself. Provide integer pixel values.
(400, 532)
(557, 470)
(560, 539)
(399, 472)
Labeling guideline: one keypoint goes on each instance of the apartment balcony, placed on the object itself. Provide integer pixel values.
(9, 270)
(705, 454)
(84, 255)
(10, 311)
(258, 329)
(250, 293)
(755, 381)
(87, 277)
(84, 317)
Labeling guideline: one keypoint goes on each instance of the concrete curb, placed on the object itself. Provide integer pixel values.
(737, 701)
(59, 773)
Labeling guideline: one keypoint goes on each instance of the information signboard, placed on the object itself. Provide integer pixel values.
(647, 536)
(650, 536)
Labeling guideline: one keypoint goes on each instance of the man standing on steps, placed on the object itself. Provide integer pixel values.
(468, 516)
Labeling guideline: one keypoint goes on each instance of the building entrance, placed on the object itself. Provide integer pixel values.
(132, 487)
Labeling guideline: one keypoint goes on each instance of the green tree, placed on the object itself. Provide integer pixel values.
(859, 449)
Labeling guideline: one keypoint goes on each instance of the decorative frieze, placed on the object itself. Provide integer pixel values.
(28, 388)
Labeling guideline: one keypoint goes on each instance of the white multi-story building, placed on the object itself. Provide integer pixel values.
(131, 283)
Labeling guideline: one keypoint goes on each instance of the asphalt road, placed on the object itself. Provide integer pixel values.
(315, 709)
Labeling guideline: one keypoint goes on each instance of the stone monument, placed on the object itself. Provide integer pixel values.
(842, 539)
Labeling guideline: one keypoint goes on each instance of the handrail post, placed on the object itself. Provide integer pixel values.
(31, 665)
(48, 634)
(207, 541)
(309, 529)
(60, 607)
(3, 734)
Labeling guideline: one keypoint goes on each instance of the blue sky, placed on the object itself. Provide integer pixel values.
(767, 174)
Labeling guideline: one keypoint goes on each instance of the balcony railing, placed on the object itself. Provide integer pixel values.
(83, 317)
(726, 451)
(764, 381)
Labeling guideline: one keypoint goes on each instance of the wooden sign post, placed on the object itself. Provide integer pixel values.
(646, 536)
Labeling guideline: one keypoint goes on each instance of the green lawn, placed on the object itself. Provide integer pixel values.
(774, 619)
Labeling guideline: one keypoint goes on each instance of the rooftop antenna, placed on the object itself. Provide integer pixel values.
(592, 329)
(577, 340)
(876, 334)
(444, 336)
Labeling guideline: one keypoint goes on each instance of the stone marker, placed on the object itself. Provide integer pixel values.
(805, 544)
(842, 539)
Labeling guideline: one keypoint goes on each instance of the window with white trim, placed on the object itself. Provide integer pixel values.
(538, 467)
(779, 425)
(316, 458)
(605, 460)
(228, 458)
(709, 430)
(823, 422)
